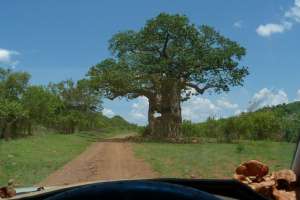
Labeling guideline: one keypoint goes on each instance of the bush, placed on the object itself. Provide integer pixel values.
(228, 133)
(189, 129)
(260, 125)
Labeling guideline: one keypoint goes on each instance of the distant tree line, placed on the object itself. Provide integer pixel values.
(68, 106)
(64, 107)
(279, 123)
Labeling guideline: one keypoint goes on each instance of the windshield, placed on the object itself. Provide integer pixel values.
(93, 91)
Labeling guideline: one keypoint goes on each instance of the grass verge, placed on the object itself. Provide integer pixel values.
(29, 160)
(212, 160)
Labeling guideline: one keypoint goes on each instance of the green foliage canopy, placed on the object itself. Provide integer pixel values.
(169, 47)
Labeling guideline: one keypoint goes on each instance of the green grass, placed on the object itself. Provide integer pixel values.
(29, 160)
(212, 160)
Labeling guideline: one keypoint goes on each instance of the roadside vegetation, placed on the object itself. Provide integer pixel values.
(29, 160)
(43, 127)
(65, 107)
(268, 134)
(277, 123)
(212, 160)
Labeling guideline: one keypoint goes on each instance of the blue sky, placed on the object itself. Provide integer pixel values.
(60, 39)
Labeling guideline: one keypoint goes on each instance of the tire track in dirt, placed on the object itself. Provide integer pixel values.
(101, 161)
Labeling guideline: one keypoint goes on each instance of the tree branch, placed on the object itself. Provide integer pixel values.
(164, 53)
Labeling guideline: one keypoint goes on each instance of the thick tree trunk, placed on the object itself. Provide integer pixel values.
(164, 113)
(168, 124)
(171, 109)
(154, 121)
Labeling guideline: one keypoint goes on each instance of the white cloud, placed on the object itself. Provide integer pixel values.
(291, 16)
(294, 12)
(239, 111)
(6, 57)
(199, 109)
(269, 29)
(224, 103)
(139, 110)
(238, 24)
(298, 95)
(108, 112)
(266, 97)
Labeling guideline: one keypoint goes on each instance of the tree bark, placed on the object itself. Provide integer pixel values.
(154, 122)
(164, 112)
(171, 119)
(29, 128)
(7, 131)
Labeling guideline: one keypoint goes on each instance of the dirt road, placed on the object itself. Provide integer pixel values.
(101, 161)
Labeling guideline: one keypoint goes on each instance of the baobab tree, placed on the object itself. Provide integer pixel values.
(163, 61)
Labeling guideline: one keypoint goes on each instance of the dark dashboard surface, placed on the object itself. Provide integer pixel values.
(222, 188)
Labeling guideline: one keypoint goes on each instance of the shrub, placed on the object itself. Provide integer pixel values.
(189, 129)
(240, 148)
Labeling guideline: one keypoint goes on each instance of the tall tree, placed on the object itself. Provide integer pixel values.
(163, 61)
(80, 103)
(12, 88)
(41, 105)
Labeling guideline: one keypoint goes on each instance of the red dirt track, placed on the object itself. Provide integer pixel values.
(101, 161)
